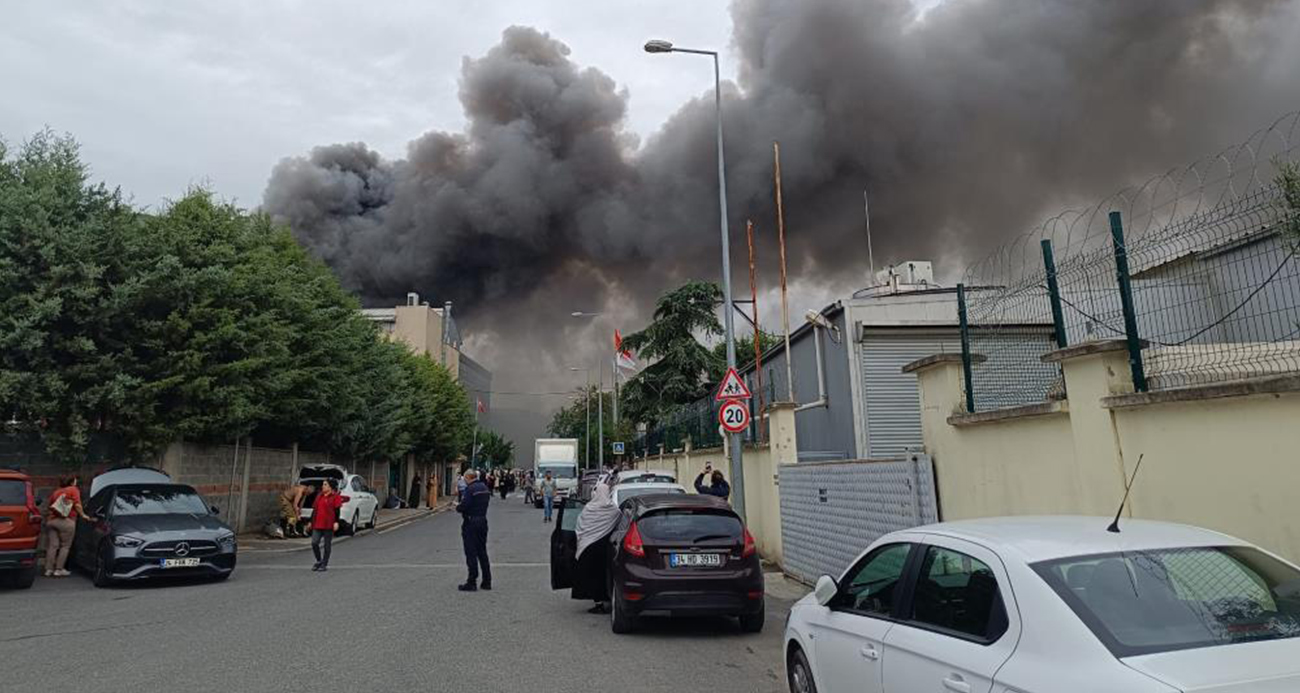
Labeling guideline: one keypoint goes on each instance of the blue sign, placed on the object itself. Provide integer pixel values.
(618, 448)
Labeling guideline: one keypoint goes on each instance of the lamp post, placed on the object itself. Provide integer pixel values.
(586, 436)
(600, 398)
(734, 449)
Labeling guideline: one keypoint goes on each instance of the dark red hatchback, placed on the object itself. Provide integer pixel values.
(670, 555)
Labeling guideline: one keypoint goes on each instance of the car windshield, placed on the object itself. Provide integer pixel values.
(633, 491)
(557, 472)
(158, 501)
(1141, 602)
(689, 526)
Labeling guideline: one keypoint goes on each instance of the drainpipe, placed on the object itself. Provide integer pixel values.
(821, 375)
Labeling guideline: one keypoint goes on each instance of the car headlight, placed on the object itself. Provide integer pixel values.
(226, 542)
(123, 541)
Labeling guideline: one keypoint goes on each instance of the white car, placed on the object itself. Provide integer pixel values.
(645, 476)
(361, 511)
(624, 491)
(1051, 605)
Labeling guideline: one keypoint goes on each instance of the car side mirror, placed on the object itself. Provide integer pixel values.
(215, 510)
(826, 590)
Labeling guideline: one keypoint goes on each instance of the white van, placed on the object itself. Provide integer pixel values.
(559, 456)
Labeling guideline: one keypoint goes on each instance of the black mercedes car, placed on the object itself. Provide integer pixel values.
(146, 526)
(670, 555)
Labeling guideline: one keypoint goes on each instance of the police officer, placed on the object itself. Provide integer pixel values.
(473, 506)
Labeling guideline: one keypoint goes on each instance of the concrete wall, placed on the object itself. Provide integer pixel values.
(1221, 456)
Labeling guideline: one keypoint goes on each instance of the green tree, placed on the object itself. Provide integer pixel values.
(680, 364)
(570, 421)
(744, 352)
(494, 450)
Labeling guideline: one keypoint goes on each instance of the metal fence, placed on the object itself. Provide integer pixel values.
(1196, 270)
(832, 511)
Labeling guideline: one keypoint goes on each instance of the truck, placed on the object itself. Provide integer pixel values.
(559, 456)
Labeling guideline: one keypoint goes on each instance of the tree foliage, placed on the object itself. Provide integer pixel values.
(494, 451)
(202, 321)
(744, 352)
(571, 420)
(680, 364)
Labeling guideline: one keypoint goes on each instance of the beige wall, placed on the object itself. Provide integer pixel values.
(1227, 463)
(420, 327)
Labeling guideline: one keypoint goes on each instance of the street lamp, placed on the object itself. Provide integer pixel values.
(586, 438)
(737, 470)
(600, 399)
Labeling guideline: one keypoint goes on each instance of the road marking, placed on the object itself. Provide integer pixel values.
(390, 566)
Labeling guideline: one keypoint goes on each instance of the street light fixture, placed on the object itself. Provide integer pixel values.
(586, 438)
(737, 468)
(600, 399)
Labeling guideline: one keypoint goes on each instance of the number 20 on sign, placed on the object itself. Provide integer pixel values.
(734, 416)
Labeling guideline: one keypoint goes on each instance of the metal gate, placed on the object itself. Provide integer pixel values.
(831, 511)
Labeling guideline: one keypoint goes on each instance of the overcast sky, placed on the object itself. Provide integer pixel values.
(163, 95)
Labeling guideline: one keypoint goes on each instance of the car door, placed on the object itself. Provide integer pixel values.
(960, 624)
(86, 538)
(564, 543)
(848, 639)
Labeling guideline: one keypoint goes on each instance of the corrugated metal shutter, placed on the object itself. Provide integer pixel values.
(891, 403)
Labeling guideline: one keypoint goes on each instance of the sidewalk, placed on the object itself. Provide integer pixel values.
(256, 542)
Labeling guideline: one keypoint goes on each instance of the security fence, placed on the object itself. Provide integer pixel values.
(1196, 270)
(696, 422)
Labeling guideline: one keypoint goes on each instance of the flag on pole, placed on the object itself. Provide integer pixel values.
(622, 357)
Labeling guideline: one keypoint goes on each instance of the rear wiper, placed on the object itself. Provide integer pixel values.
(707, 537)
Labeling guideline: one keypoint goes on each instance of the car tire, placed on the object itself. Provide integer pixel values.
(374, 518)
(101, 576)
(798, 673)
(353, 526)
(620, 621)
(19, 579)
(753, 623)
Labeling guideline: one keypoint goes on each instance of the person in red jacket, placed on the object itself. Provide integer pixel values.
(325, 522)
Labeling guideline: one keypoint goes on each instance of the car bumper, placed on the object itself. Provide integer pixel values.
(17, 560)
(724, 593)
(696, 604)
(135, 568)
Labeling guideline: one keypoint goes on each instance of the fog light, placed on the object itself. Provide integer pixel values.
(125, 542)
(755, 595)
(633, 596)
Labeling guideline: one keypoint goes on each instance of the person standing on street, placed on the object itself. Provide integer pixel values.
(548, 496)
(325, 522)
(413, 498)
(718, 485)
(473, 508)
(61, 525)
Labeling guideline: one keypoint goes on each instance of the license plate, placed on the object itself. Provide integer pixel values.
(684, 560)
(180, 562)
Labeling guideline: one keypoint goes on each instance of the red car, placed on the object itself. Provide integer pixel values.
(20, 529)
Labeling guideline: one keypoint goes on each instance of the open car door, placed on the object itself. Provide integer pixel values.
(564, 543)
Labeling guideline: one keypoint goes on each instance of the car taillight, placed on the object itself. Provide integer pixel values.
(632, 541)
(750, 548)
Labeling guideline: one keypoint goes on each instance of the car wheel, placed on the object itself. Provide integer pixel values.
(101, 577)
(374, 518)
(353, 526)
(19, 579)
(620, 621)
(753, 623)
(799, 674)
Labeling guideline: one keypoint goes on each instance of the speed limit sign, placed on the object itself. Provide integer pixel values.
(734, 416)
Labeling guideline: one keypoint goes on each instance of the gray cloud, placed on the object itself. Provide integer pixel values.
(967, 125)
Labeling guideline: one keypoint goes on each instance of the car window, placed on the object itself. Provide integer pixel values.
(356, 483)
(871, 586)
(1142, 602)
(569, 519)
(13, 492)
(689, 526)
(624, 493)
(956, 592)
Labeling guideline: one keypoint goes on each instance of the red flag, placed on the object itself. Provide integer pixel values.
(623, 356)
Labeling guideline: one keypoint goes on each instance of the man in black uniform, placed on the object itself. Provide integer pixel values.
(473, 507)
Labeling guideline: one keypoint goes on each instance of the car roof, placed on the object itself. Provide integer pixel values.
(652, 485)
(1043, 538)
(11, 473)
(633, 474)
(651, 502)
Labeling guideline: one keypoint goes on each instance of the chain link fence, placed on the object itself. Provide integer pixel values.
(1196, 270)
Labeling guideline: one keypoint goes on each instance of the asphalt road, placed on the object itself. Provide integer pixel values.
(386, 617)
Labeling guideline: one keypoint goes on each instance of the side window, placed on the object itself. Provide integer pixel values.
(958, 593)
(95, 507)
(871, 587)
(569, 516)
(356, 483)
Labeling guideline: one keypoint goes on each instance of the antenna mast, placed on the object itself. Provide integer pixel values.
(1114, 526)
(866, 213)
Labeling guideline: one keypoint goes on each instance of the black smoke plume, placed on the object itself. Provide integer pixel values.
(967, 124)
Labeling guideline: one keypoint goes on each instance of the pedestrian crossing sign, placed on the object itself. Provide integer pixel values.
(618, 448)
(732, 387)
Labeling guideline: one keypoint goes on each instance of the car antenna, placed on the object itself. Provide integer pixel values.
(1114, 526)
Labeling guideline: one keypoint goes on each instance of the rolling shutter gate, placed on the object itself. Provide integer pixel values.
(891, 403)
(832, 511)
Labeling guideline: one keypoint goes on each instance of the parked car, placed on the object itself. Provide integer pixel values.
(645, 476)
(623, 492)
(587, 483)
(362, 509)
(20, 529)
(146, 526)
(670, 555)
(1051, 604)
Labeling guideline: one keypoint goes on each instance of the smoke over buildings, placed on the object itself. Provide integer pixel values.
(967, 125)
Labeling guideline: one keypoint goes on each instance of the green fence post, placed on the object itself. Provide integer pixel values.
(965, 347)
(1054, 294)
(1126, 301)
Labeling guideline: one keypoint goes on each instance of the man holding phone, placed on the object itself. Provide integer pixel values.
(718, 485)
